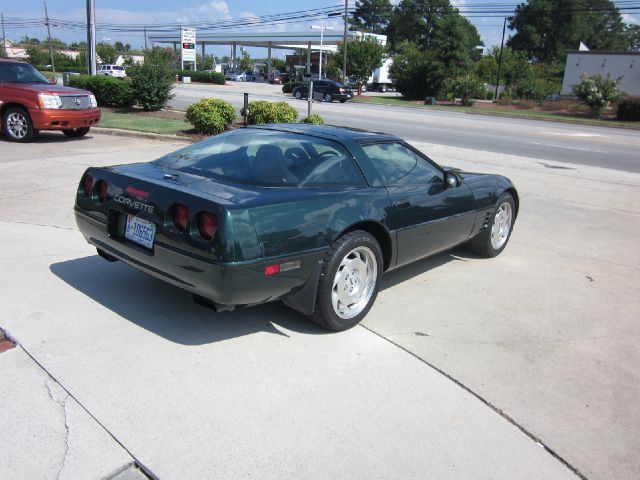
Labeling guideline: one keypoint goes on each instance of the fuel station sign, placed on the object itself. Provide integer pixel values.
(188, 40)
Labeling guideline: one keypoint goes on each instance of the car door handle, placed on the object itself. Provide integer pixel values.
(403, 204)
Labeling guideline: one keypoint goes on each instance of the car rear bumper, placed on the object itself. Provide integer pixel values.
(62, 119)
(225, 284)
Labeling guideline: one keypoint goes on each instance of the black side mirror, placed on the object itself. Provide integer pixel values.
(451, 180)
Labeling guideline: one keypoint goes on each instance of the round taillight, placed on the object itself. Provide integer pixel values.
(103, 188)
(87, 185)
(180, 214)
(207, 225)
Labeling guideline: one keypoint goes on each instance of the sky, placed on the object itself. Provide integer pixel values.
(185, 11)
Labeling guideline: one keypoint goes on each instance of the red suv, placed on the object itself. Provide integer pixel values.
(29, 103)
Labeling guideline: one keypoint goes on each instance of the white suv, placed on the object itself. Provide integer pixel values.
(112, 71)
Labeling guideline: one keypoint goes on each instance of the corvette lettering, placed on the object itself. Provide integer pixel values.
(143, 207)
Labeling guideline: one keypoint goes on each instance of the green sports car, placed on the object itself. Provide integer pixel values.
(310, 215)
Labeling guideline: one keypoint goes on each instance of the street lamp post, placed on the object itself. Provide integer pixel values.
(322, 28)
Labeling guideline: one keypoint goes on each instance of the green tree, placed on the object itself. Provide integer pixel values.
(632, 32)
(244, 63)
(107, 53)
(78, 45)
(371, 16)
(547, 29)
(152, 81)
(597, 92)
(515, 66)
(467, 89)
(37, 55)
(417, 73)
(29, 40)
(416, 21)
(486, 69)
(364, 54)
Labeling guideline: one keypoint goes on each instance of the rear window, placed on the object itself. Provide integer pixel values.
(267, 158)
(118, 68)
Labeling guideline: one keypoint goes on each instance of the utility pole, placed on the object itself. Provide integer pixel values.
(344, 43)
(145, 38)
(504, 26)
(46, 16)
(91, 37)
(3, 50)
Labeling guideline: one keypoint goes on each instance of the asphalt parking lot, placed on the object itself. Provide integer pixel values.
(522, 366)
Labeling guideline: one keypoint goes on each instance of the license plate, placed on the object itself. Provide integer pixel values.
(140, 231)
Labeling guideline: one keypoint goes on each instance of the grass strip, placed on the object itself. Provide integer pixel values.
(528, 114)
(131, 121)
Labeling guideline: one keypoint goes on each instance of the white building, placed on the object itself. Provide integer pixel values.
(624, 66)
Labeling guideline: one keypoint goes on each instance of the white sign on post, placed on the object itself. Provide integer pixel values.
(188, 40)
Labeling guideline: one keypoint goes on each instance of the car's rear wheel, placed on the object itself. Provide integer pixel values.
(343, 100)
(328, 98)
(349, 280)
(18, 126)
(76, 132)
(298, 95)
(493, 239)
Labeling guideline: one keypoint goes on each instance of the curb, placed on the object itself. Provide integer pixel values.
(134, 133)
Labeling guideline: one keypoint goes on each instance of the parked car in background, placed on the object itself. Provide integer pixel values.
(111, 71)
(329, 89)
(280, 78)
(246, 76)
(311, 215)
(29, 103)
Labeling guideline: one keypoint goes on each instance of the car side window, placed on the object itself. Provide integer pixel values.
(401, 166)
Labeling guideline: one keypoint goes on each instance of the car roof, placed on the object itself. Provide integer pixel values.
(330, 132)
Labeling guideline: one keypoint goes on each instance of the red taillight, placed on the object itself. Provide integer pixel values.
(271, 269)
(342, 90)
(87, 185)
(180, 214)
(103, 188)
(207, 225)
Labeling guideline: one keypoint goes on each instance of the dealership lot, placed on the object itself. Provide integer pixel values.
(546, 333)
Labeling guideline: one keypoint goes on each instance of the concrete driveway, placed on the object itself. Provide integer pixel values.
(522, 366)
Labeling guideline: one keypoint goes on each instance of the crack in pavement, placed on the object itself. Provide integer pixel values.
(493, 407)
(62, 404)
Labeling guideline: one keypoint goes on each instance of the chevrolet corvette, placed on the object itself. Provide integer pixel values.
(309, 215)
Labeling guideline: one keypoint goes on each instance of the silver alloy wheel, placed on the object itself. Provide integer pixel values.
(17, 125)
(501, 226)
(354, 283)
(328, 98)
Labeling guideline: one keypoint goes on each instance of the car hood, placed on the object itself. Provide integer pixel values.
(47, 88)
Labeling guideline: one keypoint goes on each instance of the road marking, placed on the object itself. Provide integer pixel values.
(570, 148)
(579, 134)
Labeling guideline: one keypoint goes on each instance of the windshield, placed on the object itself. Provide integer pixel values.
(15, 72)
(267, 158)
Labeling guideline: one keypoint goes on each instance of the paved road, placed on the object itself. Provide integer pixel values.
(546, 333)
(585, 145)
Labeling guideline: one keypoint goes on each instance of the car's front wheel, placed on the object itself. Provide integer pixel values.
(493, 239)
(349, 281)
(18, 126)
(76, 132)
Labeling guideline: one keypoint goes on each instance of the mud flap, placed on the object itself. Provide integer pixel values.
(304, 300)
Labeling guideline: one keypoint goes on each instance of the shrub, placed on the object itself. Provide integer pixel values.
(597, 92)
(313, 119)
(210, 115)
(289, 86)
(109, 91)
(198, 76)
(261, 111)
(417, 73)
(629, 109)
(152, 81)
(532, 89)
(466, 88)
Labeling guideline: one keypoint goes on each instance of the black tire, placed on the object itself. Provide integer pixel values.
(328, 97)
(482, 243)
(18, 126)
(343, 100)
(363, 88)
(76, 132)
(298, 95)
(353, 245)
